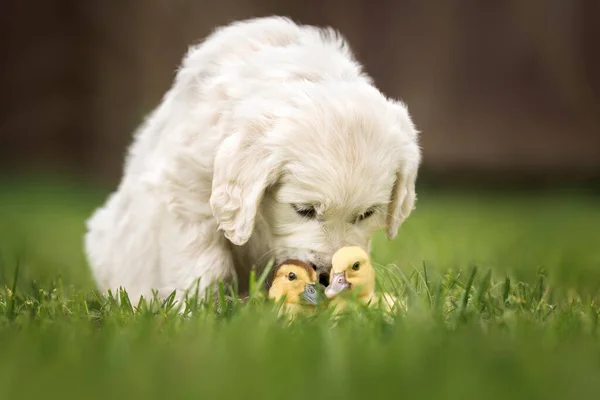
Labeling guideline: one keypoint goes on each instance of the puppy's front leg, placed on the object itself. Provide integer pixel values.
(194, 256)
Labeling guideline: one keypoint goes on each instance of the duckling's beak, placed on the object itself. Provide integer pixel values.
(337, 284)
(309, 294)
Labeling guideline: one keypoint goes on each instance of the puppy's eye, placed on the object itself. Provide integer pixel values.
(305, 211)
(366, 214)
(355, 266)
(292, 276)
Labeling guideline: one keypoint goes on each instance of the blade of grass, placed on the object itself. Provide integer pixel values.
(13, 293)
(483, 289)
(467, 292)
(256, 285)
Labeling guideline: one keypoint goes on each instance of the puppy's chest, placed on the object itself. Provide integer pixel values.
(256, 253)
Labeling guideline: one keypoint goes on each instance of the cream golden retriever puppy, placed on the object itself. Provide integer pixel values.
(272, 143)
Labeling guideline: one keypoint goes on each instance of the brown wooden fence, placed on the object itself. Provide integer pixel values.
(493, 86)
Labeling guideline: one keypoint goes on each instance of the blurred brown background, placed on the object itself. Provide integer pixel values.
(508, 87)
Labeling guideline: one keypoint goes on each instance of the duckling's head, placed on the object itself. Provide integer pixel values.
(351, 268)
(296, 281)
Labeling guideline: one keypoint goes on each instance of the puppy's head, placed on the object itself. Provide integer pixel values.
(335, 164)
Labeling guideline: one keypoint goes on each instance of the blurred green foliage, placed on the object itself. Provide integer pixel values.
(503, 303)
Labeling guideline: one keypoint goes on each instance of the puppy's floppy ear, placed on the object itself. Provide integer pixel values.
(403, 195)
(244, 167)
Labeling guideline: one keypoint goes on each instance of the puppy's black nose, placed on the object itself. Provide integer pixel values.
(324, 279)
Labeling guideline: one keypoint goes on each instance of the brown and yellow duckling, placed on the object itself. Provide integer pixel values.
(352, 273)
(297, 282)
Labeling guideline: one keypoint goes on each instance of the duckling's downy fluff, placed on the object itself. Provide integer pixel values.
(352, 272)
(296, 281)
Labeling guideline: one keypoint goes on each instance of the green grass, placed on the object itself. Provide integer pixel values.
(503, 303)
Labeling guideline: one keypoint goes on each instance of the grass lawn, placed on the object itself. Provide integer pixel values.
(503, 302)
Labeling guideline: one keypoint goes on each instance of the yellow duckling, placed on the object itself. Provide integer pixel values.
(296, 281)
(352, 272)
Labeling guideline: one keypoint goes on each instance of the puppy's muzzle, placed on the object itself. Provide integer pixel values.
(323, 273)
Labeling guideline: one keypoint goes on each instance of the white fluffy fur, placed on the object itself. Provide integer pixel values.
(262, 115)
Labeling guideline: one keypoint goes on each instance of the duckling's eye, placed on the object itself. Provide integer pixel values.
(292, 276)
(305, 211)
(355, 266)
